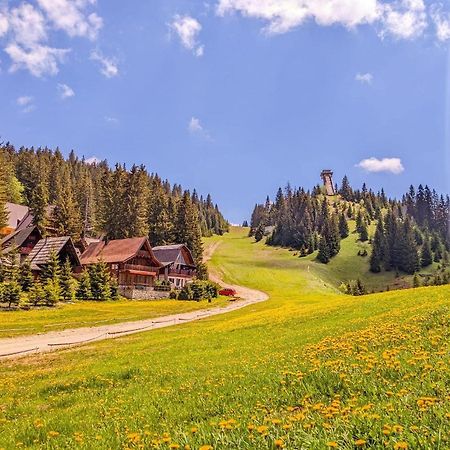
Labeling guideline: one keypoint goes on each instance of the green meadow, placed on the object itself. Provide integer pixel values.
(309, 368)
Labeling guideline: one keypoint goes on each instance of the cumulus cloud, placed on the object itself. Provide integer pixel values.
(27, 31)
(441, 20)
(402, 19)
(26, 103)
(65, 91)
(112, 120)
(187, 29)
(195, 127)
(365, 78)
(69, 16)
(108, 66)
(392, 165)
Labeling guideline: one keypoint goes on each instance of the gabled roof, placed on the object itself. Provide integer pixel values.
(17, 238)
(40, 255)
(15, 214)
(28, 218)
(168, 254)
(116, 251)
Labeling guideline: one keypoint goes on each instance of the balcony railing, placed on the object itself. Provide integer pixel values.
(185, 272)
(141, 268)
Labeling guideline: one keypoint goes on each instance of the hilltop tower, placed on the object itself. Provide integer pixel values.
(327, 178)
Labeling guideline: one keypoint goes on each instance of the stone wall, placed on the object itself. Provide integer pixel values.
(142, 294)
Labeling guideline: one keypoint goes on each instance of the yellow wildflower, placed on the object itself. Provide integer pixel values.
(279, 443)
(360, 442)
(401, 445)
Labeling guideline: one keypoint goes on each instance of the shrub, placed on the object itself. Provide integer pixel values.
(173, 295)
(52, 292)
(186, 293)
(84, 286)
(36, 295)
(12, 292)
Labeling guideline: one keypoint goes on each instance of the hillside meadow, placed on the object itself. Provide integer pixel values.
(309, 368)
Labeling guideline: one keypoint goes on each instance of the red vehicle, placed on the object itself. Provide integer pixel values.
(227, 292)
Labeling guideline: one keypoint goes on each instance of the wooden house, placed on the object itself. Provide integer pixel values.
(63, 246)
(131, 261)
(178, 264)
(15, 215)
(23, 240)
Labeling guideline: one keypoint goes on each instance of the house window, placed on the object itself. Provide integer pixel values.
(114, 266)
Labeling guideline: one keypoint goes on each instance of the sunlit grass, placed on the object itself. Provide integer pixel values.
(308, 368)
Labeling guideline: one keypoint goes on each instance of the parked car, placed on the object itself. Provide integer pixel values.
(227, 292)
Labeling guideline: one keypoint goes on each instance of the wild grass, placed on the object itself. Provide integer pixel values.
(308, 368)
(89, 313)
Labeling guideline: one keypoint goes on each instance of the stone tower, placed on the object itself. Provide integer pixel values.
(327, 178)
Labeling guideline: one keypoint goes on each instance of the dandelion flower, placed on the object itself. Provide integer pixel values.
(360, 442)
(332, 444)
(279, 443)
(401, 445)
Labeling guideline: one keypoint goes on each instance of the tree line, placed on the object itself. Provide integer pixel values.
(410, 233)
(95, 199)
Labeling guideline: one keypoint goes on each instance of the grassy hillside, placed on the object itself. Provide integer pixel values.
(306, 369)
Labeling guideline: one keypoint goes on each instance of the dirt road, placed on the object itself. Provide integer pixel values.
(47, 342)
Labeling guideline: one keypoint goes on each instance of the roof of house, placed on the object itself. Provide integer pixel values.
(40, 255)
(28, 218)
(15, 214)
(17, 238)
(168, 254)
(115, 251)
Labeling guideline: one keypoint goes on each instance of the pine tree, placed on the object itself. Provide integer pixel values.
(84, 286)
(67, 282)
(36, 294)
(26, 276)
(259, 234)
(378, 248)
(416, 281)
(100, 279)
(363, 232)
(52, 270)
(12, 292)
(136, 203)
(343, 226)
(346, 191)
(52, 291)
(324, 252)
(426, 257)
(3, 193)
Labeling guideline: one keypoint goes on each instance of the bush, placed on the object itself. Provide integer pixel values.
(173, 295)
(198, 290)
(186, 293)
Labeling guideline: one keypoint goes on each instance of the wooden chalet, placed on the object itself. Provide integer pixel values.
(178, 264)
(63, 246)
(131, 261)
(22, 240)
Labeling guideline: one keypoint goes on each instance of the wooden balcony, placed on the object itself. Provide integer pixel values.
(182, 272)
(140, 268)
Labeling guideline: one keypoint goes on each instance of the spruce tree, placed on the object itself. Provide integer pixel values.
(67, 282)
(426, 256)
(52, 270)
(343, 226)
(26, 276)
(378, 248)
(100, 279)
(84, 286)
(36, 294)
(324, 253)
(363, 232)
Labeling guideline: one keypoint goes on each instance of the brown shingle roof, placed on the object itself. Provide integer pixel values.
(17, 238)
(169, 253)
(116, 251)
(40, 255)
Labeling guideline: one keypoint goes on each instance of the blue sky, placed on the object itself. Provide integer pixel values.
(234, 97)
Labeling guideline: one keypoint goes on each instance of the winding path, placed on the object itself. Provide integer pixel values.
(74, 337)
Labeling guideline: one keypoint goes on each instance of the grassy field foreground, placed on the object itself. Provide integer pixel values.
(306, 369)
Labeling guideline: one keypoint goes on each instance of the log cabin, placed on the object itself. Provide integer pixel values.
(22, 240)
(131, 261)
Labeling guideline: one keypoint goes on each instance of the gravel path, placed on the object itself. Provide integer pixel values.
(47, 342)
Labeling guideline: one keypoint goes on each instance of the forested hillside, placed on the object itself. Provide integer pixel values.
(95, 199)
(403, 236)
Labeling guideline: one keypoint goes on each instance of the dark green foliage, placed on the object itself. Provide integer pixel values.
(84, 286)
(37, 294)
(259, 233)
(67, 282)
(426, 256)
(324, 252)
(416, 281)
(52, 270)
(363, 232)
(354, 287)
(100, 280)
(26, 276)
(343, 226)
(199, 290)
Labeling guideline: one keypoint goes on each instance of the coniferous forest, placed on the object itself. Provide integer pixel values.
(409, 234)
(75, 198)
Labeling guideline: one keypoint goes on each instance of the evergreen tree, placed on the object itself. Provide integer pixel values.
(52, 270)
(3, 193)
(36, 294)
(100, 279)
(346, 191)
(378, 248)
(84, 286)
(426, 257)
(363, 232)
(259, 234)
(67, 282)
(26, 276)
(343, 226)
(416, 281)
(324, 252)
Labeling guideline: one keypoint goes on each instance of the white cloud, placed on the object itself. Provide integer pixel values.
(26, 103)
(112, 120)
(392, 165)
(441, 22)
(187, 29)
(92, 160)
(108, 66)
(69, 16)
(38, 60)
(365, 78)
(65, 91)
(27, 31)
(195, 127)
(405, 19)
